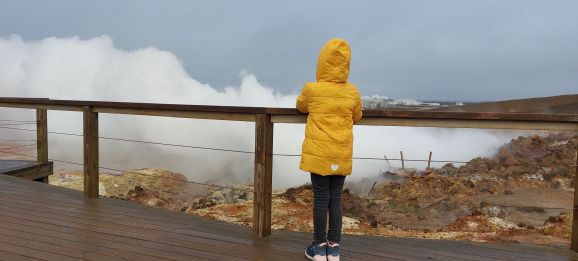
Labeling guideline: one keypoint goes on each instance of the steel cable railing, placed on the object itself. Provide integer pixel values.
(2, 126)
(431, 203)
(299, 155)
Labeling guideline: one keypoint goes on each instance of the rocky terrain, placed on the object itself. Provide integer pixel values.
(523, 193)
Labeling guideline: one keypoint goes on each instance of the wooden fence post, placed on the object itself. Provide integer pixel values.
(263, 175)
(90, 152)
(429, 161)
(42, 138)
(574, 242)
(402, 162)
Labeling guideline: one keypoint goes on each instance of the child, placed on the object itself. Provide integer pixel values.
(334, 105)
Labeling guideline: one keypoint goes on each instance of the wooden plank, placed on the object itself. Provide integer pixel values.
(24, 239)
(77, 239)
(134, 236)
(574, 239)
(90, 141)
(78, 105)
(229, 116)
(41, 212)
(31, 251)
(400, 114)
(122, 228)
(228, 231)
(54, 107)
(263, 175)
(15, 257)
(446, 123)
(41, 135)
(10, 166)
(35, 172)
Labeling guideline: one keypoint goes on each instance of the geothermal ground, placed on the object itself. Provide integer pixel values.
(522, 194)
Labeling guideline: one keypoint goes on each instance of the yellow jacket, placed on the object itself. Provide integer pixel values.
(333, 105)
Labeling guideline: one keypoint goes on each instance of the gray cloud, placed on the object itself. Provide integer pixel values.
(461, 49)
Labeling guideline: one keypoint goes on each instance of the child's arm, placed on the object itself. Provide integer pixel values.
(303, 100)
(357, 114)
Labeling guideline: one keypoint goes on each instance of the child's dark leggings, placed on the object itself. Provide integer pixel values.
(327, 199)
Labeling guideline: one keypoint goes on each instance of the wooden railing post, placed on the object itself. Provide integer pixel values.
(90, 152)
(574, 242)
(41, 135)
(263, 175)
(42, 138)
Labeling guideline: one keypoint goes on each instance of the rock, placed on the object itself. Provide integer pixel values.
(508, 192)
(447, 170)
(471, 183)
(421, 217)
(218, 195)
(555, 183)
(495, 211)
(138, 190)
(472, 226)
(535, 176)
(486, 189)
(102, 189)
(350, 223)
(228, 194)
(457, 188)
(373, 223)
(501, 223)
(154, 202)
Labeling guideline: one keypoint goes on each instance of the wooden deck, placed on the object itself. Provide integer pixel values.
(26, 169)
(43, 222)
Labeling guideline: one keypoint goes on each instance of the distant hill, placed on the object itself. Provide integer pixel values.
(563, 104)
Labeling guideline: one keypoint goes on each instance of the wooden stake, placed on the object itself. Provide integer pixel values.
(574, 242)
(90, 153)
(402, 162)
(429, 161)
(263, 184)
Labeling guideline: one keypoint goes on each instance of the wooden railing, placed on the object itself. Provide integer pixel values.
(264, 119)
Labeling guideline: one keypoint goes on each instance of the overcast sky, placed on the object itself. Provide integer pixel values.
(462, 50)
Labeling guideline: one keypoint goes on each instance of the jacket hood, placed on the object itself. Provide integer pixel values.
(333, 62)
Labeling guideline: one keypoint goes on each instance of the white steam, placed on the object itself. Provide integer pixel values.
(93, 69)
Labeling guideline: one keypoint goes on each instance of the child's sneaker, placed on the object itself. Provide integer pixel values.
(316, 252)
(333, 251)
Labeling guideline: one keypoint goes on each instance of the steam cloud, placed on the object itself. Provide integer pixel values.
(94, 69)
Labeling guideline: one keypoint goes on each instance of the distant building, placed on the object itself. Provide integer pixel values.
(382, 102)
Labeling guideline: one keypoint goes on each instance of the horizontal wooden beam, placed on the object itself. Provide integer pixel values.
(291, 115)
(180, 114)
(134, 105)
(54, 107)
(446, 123)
